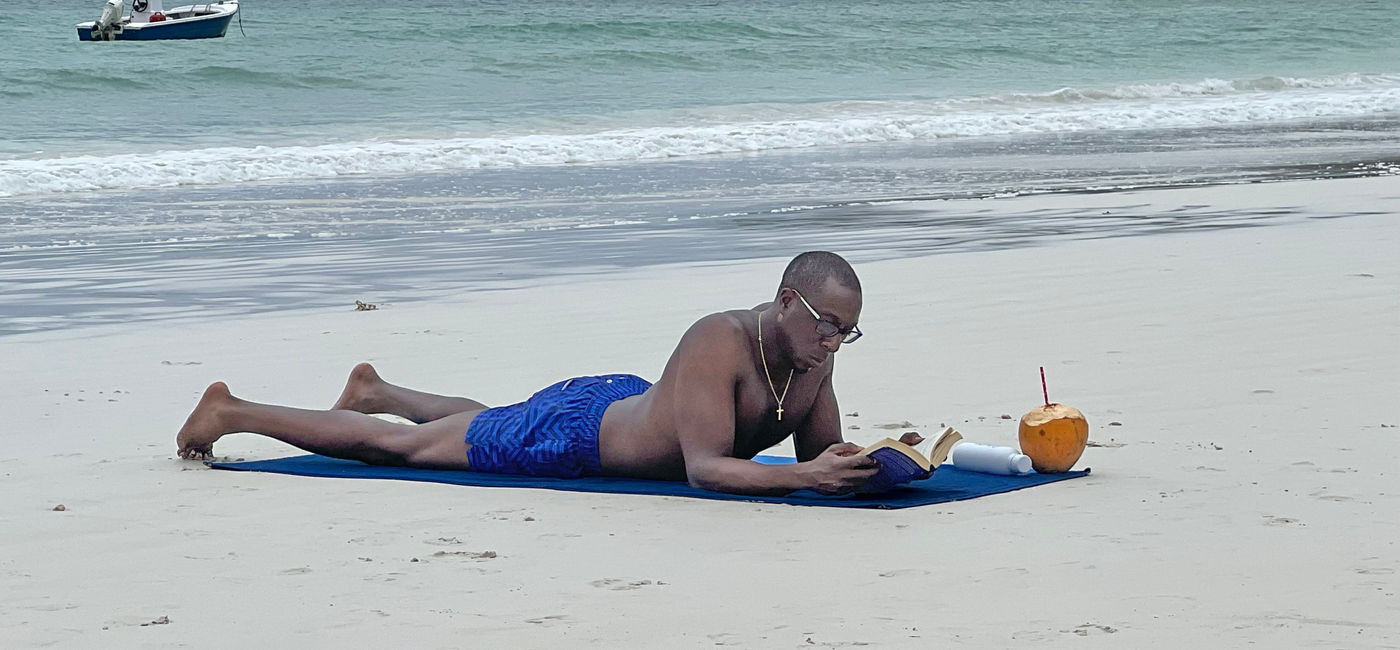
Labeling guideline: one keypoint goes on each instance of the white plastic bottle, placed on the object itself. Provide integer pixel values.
(973, 457)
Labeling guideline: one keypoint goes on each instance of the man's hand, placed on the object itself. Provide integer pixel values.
(838, 470)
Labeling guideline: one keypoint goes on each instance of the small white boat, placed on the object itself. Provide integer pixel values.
(149, 22)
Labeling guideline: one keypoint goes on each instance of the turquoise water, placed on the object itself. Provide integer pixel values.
(321, 124)
(439, 77)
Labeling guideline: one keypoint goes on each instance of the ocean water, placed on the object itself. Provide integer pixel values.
(326, 151)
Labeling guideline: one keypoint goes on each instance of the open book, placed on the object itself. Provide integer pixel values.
(900, 463)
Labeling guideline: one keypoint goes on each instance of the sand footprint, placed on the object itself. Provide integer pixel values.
(901, 573)
(618, 584)
(552, 618)
(1378, 571)
(471, 555)
(1087, 628)
(136, 622)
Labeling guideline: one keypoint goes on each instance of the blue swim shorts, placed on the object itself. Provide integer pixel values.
(554, 433)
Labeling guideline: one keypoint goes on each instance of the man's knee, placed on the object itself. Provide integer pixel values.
(392, 452)
(401, 448)
(436, 450)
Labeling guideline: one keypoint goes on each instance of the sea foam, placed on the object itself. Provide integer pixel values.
(733, 129)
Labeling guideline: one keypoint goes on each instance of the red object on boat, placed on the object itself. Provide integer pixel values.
(157, 17)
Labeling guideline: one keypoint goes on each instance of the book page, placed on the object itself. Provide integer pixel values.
(943, 446)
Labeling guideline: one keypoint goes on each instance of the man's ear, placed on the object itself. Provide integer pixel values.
(784, 301)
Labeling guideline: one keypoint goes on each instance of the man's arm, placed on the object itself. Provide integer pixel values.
(708, 361)
(822, 428)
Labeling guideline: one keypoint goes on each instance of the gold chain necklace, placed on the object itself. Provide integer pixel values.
(764, 358)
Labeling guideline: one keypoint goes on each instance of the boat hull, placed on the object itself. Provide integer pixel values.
(213, 25)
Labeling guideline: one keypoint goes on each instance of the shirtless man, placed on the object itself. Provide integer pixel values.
(737, 383)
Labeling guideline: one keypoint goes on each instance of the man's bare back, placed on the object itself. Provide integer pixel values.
(737, 383)
(641, 435)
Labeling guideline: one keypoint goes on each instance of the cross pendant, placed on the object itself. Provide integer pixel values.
(780, 414)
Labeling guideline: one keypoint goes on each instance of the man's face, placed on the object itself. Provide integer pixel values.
(837, 307)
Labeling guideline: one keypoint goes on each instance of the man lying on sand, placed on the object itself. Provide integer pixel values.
(738, 382)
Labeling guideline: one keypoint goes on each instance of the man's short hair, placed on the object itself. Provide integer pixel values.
(808, 272)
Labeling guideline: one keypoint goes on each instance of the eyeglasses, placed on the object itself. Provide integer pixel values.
(827, 329)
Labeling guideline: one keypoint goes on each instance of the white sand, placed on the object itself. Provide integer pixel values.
(1253, 499)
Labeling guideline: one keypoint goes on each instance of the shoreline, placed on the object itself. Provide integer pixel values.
(1240, 499)
(56, 289)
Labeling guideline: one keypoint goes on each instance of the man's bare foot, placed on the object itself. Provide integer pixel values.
(361, 392)
(205, 424)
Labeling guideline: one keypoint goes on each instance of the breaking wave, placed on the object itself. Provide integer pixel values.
(733, 129)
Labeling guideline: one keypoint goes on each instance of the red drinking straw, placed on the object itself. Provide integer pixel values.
(1043, 390)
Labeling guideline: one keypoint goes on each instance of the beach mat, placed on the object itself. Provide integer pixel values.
(947, 483)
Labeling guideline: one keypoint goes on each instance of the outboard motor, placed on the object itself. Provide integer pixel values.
(109, 22)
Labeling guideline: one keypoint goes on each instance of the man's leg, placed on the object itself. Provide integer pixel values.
(439, 444)
(365, 392)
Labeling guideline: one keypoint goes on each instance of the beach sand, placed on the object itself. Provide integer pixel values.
(1240, 385)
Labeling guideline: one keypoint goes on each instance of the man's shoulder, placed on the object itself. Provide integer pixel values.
(711, 350)
(721, 338)
(724, 327)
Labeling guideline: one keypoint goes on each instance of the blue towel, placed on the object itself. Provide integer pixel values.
(947, 483)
